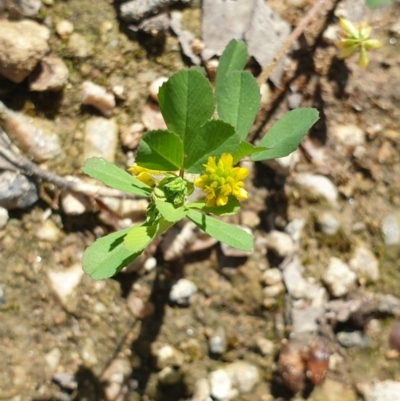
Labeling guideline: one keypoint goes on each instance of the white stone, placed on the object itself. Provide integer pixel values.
(284, 165)
(295, 229)
(305, 319)
(101, 138)
(272, 276)
(48, 231)
(273, 291)
(390, 227)
(331, 34)
(365, 264)
(73, 203)
(96, 96)
(64, 282)
(295, 284)
(22, 45)
(64, 28)
(166, 355)
(349, 135)
(387, 390)
(78, 46)
(317, 186)
(201, 390)
(3, 217)
(265, 346)
(52, 75)
(243, 375)
(182, 291)
(155, 87)
(280, 243)
(328, 223)
(169, 376)
(52, 358)
(220, 383)
(338, 278)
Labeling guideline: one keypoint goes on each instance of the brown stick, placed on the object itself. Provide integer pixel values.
(72, 184)
(292, 38)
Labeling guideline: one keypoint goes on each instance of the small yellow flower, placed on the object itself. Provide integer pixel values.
(356, 38)
(222, 180)
(144, 174)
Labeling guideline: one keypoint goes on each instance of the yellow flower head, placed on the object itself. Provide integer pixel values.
(145, 175)
(221, 180)
(356, 38)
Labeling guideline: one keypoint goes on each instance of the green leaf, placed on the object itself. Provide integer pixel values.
(378, 3)
(231, 208)
(246, 149)
(139, 237)
(213, 135)
(169, 212)
(286, 134)
(107, 256)
(238, 101)
(114, 177)
(160, 150)
(226, 233)
(186, 103)
(234, 58)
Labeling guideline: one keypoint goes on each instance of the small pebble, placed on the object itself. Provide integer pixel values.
(306, 319)
(280, 243)
(201, 390)
(265, 346)
(22, 45)
(3, 217)
(169, 376)
(365, 264)
(217, 341)
(349, 135)
(273, 291)
(284, 165)
(96, 96)
(390, 228)
(166, 355)
(50, 75)
(352, 339)
(48, 231)
(155, 87)
(386, 390)
(64, 29)
(63, 282)
(272, 276)
(116, 377)
(16, 191)
(130, 137)
(73, 203)
(52, 358)
(250, 218)
(66, 381)
(295, 284)
(78, 46)
(328, 223)
(182, 291)
(317, 187)
(244, 376)
(101, 138)
(338, 278)
(221, 384)
(152, 118)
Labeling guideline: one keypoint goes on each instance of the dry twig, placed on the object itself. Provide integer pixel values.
(312, 13)
(74, 184)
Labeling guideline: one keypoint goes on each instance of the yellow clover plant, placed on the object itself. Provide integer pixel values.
(196, 150)
(356, 38)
